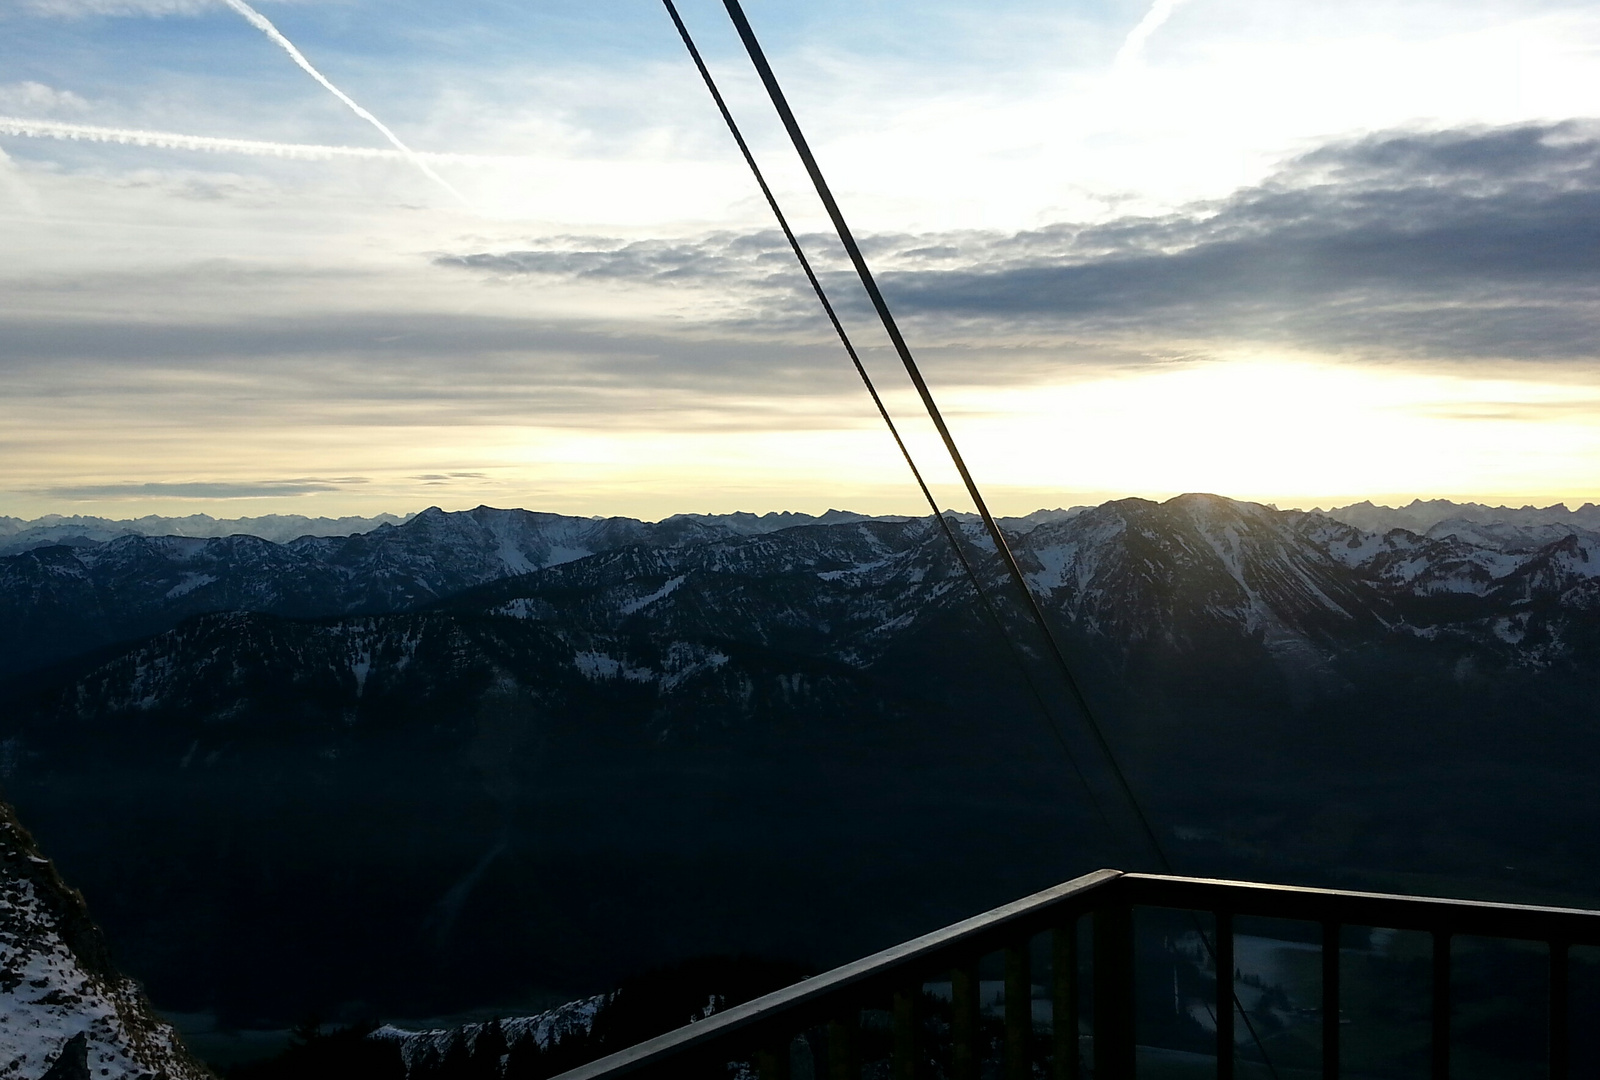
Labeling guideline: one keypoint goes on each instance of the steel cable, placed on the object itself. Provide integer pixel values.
(913, 371)
(905, 452)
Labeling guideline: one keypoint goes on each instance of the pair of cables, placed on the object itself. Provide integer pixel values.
(1008, 558)
(869, 282)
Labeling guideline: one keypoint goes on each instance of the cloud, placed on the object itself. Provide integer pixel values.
(30, 96)
(203, 489)
(169, 140)
(262, 23)
(1132, 50)
(761, 258)
(383, 367)
(79, 9)
(1466, 243)
(1481, 242)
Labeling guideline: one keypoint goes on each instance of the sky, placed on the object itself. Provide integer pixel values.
(506, 253)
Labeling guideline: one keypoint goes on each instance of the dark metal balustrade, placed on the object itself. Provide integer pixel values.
(891, 983)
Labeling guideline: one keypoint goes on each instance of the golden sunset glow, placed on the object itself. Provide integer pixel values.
(1245, 253)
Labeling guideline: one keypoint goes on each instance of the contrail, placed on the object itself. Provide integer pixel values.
(171, 140)
(260, 22)
(1159, 13)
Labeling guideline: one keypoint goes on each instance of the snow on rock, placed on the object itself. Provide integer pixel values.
(599, 665)
(526, 607)
(61, 1001)
(645, 601)
(420, 1048)
(190, 582)
(1506, 535)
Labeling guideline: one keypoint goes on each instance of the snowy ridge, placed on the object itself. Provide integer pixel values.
(421, 1049)
(1192, 570)
(17, 535)
(62, 1005)
(1422, 516)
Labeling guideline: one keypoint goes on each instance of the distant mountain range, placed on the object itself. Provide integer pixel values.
(62, 600)
(482, 755)
(1439, 517)
(59, 599)
(18, 535)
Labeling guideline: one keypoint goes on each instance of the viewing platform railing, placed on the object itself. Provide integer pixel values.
(882, 1004)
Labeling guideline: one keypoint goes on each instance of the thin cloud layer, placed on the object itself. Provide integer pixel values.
(204, 490)
(1478, 243)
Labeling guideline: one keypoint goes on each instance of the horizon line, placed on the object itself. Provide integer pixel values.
(1322, 506)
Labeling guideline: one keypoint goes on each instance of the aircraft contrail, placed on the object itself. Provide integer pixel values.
(260, 22)
(171, 140)
(1159, 13)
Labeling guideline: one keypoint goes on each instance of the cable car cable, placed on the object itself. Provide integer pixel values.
(883, 411)
(891, 327)
(847, 238)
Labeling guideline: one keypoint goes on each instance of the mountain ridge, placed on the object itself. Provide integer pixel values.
(18, 534)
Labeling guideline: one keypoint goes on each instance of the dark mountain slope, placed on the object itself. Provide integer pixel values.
(800, 743)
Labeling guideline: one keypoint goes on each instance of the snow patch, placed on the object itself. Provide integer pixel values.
(512, 558)
(525, 607)
(599, 665)
(191, 581)
(645, 601)
(858, 568)
(559, 555)
(361, 667)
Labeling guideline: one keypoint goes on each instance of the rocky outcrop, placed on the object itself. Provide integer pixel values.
(65, 1012)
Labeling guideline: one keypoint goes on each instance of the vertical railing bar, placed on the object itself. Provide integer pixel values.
(1560, 1011)
(1441, 1005)
(1330, 1000)
(966, 1056)
(1114, 1052)
(842, 1063)
(1225, 1042)
(773, 1062)
(1019, 1012)
(1064, 1006)
(906, 1051)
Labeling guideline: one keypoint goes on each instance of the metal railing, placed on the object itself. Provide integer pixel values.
(892, 983)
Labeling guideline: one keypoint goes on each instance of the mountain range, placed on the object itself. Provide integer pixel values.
(498, 756)
(76, 530)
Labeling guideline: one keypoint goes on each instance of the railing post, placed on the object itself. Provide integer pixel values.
(1064, 1000)
(1560, 1012)
(1019, 1013)
(1224, 958)
(1330, 1001)
(1113, 994)
(904, 1063)
(1441, 1005)
(966, 1054)
(773, 1063)
(842, 1064)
